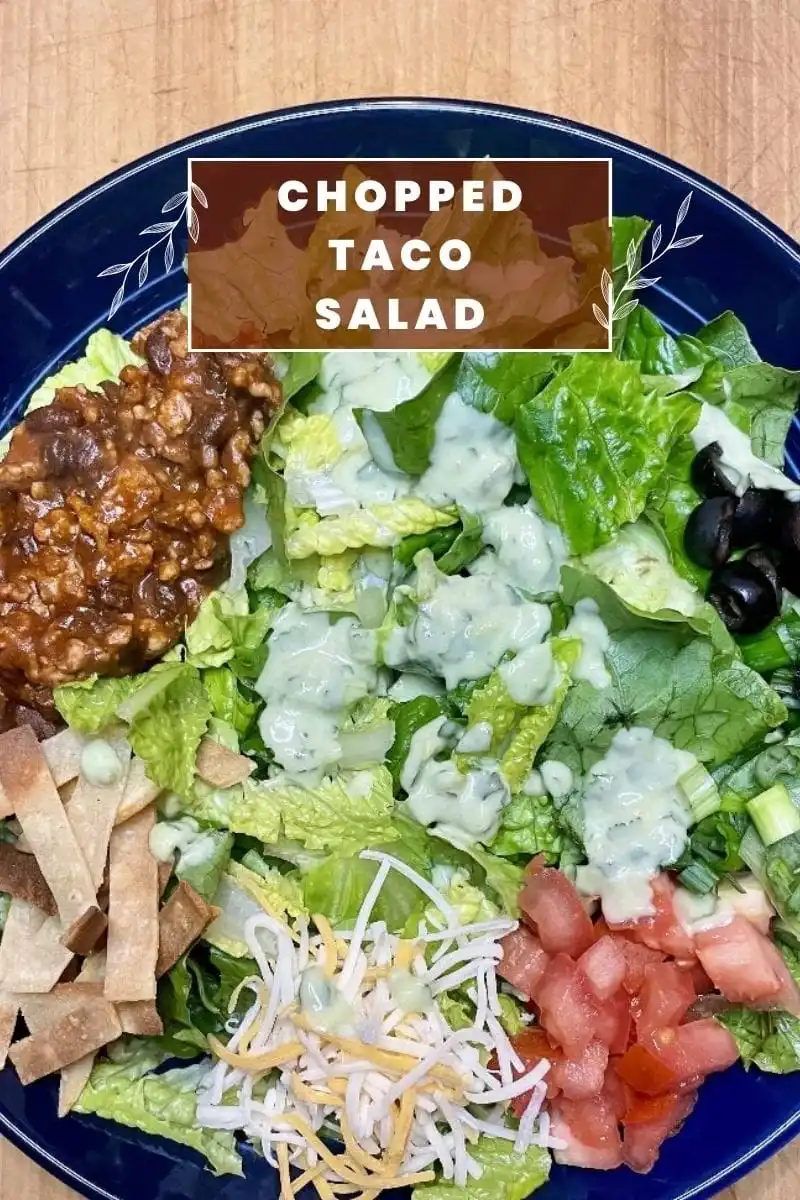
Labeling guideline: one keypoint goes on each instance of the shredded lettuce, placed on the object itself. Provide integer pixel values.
(242, 894)
(381, 525)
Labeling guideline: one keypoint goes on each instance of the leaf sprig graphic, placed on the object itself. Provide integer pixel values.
(182, 203)
(635, 279)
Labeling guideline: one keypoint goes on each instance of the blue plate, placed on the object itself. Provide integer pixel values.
(51, 300)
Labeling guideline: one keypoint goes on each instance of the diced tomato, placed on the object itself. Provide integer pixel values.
(637, 958)
(604, 965)
(700, 980)
(641, 1110)
(695, 1050)
(524, 961)
(616, 1093)
(645, 1071)
(569, 1009)
(532, 1045)
(643, 1140)
(746, 967)
(667, 993)
(614, 1022)
(664, 931)
(590, 1129)
(601, 929)
(582, 1077)
(554, 907)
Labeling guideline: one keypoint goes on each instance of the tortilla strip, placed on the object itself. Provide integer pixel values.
(92, 811)
(140, 1017)
(21, 876)
(84, 934)
(40, 1012)
(139, 792)
(42, 963)
(62, 753)
(27, 781)
(164, 875)
(87, 1028)
(221, 767)
(9, 1010)
(75, 1077)
(23, 923)
(132, 948)
(181, 921)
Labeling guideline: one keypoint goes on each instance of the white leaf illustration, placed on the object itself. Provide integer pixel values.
(630, 257)
(194, 225)
(682, 211)
(117, 269)
(115, 303)
(682, 243)
(607, 287)
(645, 282)
(602, 319)
(143, 269)
(159, 227)
(625, 310)
(200, 195)
(656, 241)
(176, 201)
(169, 256)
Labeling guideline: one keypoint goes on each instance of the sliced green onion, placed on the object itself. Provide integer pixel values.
(700, 791)
(765, 652)
(774, 814)
(698, 879)
(752, 852)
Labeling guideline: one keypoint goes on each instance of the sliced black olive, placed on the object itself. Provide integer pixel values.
(707, 537)
(743, 596)
(787, 526)
(753, 519)
(707, 474)
(762, 561)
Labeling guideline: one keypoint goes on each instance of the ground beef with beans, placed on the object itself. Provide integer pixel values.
(115, 511)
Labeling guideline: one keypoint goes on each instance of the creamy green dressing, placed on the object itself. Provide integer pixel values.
(742, 468)
(473, 462)
(526, 551)
(376, 380)
(532, 676)
(316, 669)
(181, 836)
(465, 627)
(587, 625)
(557, 778)
(636, 820)
(409, 686)
(464, 808)
(408, 993)
(323, 1005)
(426, 742)
(99, 763)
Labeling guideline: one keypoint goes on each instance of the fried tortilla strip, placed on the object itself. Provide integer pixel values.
(43, 962)
(23, 923)
(132, 949)
(140, 792)
(27, 781)
(140, 1017)
(181, 921)
(40, 1012)
(84, 934)
(9, 1010)
(221, 767)
(86, 1029)
(92, 811)
(164, 875)
(75, 1077)
(21, 877)
(62, 753)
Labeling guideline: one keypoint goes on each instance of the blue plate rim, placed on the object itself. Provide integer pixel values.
(755, 1155)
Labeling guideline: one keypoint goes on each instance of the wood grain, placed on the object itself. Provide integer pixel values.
(86, 85)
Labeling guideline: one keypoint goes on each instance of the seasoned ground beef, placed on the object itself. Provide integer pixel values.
(115, 511)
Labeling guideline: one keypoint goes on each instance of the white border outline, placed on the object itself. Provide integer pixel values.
(609, 161)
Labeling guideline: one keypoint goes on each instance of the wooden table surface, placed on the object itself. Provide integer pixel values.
(86, 85)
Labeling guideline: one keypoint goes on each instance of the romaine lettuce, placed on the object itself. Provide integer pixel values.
(164, 1105)
(507, 1174)
(594, 443)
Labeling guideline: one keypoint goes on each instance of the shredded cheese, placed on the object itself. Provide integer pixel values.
(407, 1092)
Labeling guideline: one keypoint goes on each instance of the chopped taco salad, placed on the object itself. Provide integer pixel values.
(401, 759)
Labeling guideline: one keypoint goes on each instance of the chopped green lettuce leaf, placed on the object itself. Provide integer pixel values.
(507, 1175)
(242, 894)
(594, 442)
(409, 429)
(409, 716)
(163, 1105)
(382, 525)
(225, 631)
